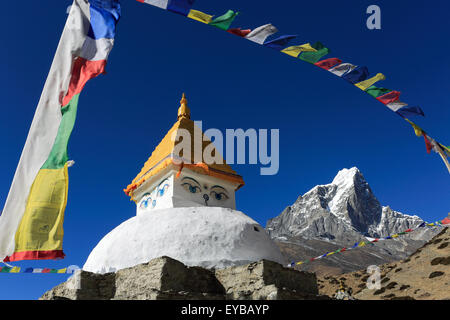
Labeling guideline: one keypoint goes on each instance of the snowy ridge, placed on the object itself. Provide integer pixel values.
(341, 212)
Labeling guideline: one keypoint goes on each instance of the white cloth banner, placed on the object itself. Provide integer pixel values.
(44, 127)
(260, 34)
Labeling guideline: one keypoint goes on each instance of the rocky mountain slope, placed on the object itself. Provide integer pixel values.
(425, 275)
(339, 214)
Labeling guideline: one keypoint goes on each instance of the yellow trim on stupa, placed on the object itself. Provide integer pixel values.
(163, 156)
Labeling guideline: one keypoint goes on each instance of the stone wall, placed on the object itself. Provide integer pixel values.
(168, 279)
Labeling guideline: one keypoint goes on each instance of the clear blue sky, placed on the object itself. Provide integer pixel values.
(325, 123)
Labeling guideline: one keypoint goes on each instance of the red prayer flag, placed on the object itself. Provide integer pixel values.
(238, 32)
(428, 143)
(389, 97)
(327, 64)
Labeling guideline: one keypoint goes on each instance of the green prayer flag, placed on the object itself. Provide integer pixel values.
(58, 156)
(5, 270)
(313, 57)
(377, 92)
(224, 22)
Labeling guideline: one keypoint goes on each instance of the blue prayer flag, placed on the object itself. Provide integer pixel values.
(279, 43)
(180, 6)
(357, 75)
(410, 111)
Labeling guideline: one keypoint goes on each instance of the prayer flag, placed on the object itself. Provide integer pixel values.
(31, 225)
(224, 21)
(260, 34)
(410, 111)
(313, 57)
(389, 97)
(157, 3)
(238, 32)
(357, 75)
(200, 16)
(366, 84)
(327, 64)
(180, 6)
(294, 51)
(280, 42)
(342, 69)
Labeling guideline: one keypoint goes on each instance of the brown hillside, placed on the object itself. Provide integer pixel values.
(425, 275)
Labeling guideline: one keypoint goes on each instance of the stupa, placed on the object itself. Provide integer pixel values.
(185, 209)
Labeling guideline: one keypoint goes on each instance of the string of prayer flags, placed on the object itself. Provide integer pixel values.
(294, 51)
(224, 21)
(260, 34)
(11, 269)
(359, 76)
(280, 42)
(327, 64)
(366, 84)
(314, 56)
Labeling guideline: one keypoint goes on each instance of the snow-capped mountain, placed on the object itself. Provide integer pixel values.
(342, 210)
(342, 213)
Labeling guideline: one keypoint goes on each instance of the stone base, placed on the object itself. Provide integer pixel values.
(168, 279)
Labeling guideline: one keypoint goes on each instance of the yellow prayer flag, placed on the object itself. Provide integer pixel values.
(200, 16)
(41, 228)
(417, 130)
(364, 85)
(299, 263)
(62, 270)
(362, 244)
(395, 236)
(15, 270)
(294, 51)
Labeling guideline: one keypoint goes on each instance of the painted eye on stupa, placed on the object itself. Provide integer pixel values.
(219, 193)
(191, 185)
(163, 187)
(146, 200)
(191, 188)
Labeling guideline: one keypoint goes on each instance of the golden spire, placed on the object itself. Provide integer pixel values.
(183, 111)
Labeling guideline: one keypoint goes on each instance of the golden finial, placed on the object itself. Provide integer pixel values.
(183, 111)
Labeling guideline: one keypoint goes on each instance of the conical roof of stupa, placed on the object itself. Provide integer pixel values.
(163, 154)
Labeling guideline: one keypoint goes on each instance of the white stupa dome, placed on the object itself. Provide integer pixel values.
(184, 210)
(210, 237)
